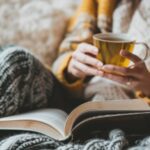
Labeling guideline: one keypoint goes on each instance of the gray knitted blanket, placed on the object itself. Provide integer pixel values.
(31, 141)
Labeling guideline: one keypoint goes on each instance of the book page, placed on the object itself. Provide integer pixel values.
(133, 105)
(51, 117)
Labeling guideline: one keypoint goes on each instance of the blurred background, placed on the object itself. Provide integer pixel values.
(38, 25)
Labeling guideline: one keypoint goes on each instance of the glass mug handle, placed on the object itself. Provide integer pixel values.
(146, 49)
(146, 54)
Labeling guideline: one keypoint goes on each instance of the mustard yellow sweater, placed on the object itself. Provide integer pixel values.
(92, 16)
(81, 28)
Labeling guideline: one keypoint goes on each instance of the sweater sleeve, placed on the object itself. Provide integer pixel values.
(81, 28)
(105, 13)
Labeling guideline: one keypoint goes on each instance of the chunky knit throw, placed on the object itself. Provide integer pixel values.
(31, 141)
(25, 84)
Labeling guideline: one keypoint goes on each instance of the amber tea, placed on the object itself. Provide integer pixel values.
(109, 46)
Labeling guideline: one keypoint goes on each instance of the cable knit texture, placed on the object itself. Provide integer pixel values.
(116, 140)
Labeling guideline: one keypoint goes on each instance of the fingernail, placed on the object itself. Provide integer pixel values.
(96, 51)
(100, 73)
(105, 67)
(99, 65)
(95, 48)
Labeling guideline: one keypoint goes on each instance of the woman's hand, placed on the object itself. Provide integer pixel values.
(84, 63)
(136, 77)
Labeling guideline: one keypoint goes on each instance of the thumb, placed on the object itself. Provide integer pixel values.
(130, 56)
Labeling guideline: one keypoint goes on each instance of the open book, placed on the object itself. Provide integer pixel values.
(58, 125)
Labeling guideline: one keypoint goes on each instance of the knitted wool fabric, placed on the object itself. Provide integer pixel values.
(35, 141)
(116, 141)
(142, 145)
(26, 85)
(29, 141)
(19, 82)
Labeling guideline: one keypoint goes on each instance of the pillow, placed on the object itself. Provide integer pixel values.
(36, 25)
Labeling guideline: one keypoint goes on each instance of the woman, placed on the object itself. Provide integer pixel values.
(80, 59)
(26, 84)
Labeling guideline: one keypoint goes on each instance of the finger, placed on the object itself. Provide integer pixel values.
(130, 56)
(77, 73)
(114, 77)
(128, 81)
(86, 69)
(121, 71)
(87, 48)
(83, 58)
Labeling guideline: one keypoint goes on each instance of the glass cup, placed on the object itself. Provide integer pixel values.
(110, 44)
